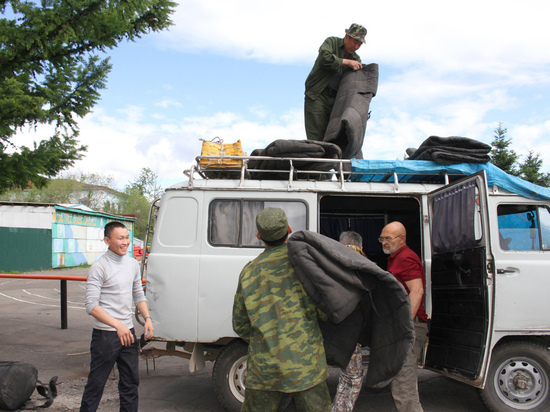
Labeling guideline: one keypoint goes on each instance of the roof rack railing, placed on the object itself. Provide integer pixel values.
(243, 172)
(297, 168)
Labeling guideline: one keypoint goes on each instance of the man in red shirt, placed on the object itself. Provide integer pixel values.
(407, 268)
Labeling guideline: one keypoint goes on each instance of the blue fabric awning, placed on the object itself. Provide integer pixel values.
(425, 171)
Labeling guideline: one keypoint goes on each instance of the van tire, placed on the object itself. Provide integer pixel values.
(231, 362)
(514, 364)
(229, 374)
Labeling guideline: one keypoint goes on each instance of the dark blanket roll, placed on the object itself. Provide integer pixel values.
(364, 304)
(278, 169)
(451, 150)
(348, 119)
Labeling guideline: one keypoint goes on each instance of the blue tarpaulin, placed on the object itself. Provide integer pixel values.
(415, 170)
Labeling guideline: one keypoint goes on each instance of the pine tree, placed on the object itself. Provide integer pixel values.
(530, 170)
(500, 155)
(50, 73)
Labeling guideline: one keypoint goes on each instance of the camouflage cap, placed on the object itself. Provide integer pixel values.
(357, 32)
(272, 224)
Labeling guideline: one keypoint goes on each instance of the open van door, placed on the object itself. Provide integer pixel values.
(461, 280)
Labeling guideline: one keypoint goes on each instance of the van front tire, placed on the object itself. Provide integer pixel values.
(518, 378)
(229, 375)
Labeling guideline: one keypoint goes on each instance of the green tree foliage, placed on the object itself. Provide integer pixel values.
(93, 190)
(530, 170)
(508, 160)
(138, 197)
(58, 191)
(501, 155)
(134, 203)
(147, 184)
(50, 73)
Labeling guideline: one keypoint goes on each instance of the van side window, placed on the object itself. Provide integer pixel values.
(523, 227)
(232, 222)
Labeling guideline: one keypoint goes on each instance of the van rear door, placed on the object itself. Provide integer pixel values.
(461, 282)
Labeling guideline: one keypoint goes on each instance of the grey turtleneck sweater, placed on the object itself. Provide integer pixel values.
(113, 282)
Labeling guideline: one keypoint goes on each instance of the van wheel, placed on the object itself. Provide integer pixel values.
(229, 375)
(518, 378)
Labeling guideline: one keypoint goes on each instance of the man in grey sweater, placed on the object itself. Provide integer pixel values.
(113, 283)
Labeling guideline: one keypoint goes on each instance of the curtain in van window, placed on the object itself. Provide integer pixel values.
(232, 222)
(453, 226)
(250, 211)
(230, 227)
(224, 222)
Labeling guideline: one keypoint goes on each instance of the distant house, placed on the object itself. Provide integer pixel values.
(98, 196)
(40, 236)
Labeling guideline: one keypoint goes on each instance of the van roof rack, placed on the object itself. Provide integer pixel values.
(300, 168)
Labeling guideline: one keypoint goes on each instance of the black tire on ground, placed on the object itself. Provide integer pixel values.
(518, 378)
(229, 374)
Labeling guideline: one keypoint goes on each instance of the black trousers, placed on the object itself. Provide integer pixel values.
(106, 350)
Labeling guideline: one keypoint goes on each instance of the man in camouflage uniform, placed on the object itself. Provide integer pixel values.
(322, 83)
(278, 320)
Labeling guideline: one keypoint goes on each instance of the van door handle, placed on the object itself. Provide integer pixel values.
(503, 271)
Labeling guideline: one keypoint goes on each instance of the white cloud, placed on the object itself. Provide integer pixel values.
(532, 137)
(168, 103)
(481, 36)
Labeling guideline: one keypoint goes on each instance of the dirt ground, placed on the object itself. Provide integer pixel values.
(70, 393)
(31, 333)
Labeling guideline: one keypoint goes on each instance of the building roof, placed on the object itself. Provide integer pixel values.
(68, 207)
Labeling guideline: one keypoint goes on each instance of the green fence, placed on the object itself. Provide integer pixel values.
(24, 249)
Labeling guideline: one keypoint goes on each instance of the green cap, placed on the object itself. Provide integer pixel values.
(357, 32)
(272, 224)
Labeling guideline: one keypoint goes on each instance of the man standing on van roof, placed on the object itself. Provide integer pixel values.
(275, 316)
(407, 268)
(322, 83)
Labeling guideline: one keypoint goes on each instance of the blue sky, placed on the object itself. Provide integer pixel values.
(237, 69)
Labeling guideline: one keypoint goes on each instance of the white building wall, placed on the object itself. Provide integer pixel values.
(34, 217)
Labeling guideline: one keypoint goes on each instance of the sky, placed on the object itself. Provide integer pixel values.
(236, 70)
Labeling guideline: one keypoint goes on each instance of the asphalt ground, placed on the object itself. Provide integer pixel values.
(31, 332)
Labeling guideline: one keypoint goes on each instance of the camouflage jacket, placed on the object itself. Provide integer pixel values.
(273, 313)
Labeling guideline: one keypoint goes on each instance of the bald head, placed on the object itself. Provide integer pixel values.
(393, 237)
(395, 227)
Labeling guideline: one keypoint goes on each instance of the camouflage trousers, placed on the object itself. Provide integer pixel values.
(349, 383)
(316, 399)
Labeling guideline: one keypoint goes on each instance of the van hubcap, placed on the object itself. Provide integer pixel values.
(521, 384)
(237, 378)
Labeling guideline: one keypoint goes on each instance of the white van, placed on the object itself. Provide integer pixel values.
(484, 239)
